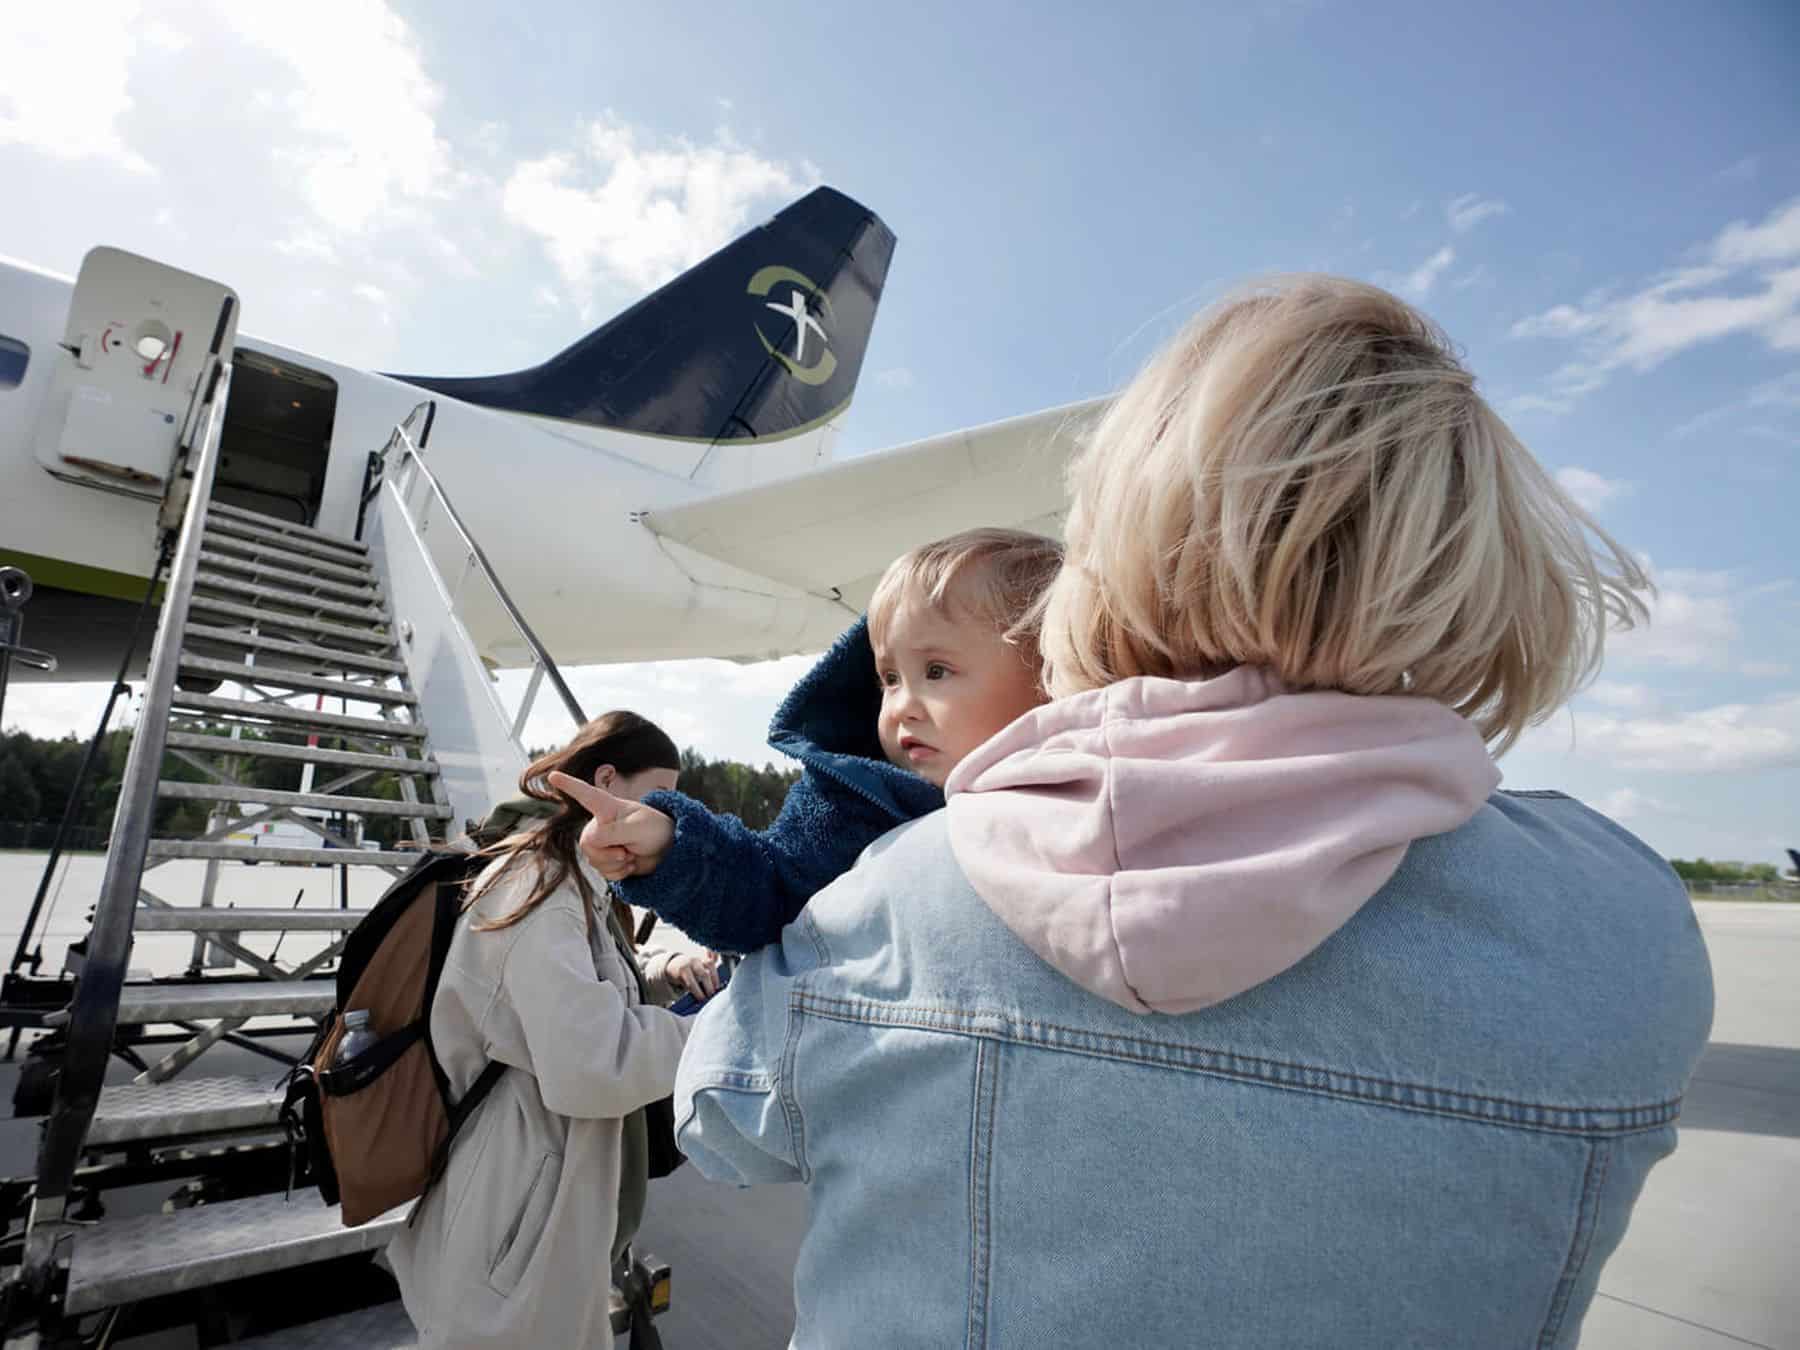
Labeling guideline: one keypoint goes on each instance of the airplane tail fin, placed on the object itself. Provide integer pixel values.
(762, 341)
(1794, 853)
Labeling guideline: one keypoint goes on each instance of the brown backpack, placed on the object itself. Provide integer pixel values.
(376, 1131)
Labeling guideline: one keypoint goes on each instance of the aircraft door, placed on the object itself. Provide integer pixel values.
(138, 341)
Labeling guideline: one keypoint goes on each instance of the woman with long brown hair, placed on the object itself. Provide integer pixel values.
(547, 1182)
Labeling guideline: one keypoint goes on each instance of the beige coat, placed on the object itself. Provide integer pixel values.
(514, 1246)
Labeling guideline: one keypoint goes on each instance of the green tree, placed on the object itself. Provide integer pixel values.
(18, 793)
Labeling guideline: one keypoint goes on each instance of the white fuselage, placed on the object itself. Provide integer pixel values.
(553, 505)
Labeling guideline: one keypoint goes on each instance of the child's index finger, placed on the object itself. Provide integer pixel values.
(601, 804)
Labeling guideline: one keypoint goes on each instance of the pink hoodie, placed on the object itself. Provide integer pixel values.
(1170, 843)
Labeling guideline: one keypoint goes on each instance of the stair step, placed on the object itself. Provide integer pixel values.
(244, 709)
(358, 573)
(321, 801)
(245, 919)
(284, 529)
(332, 857)
(385, 1326)
(270, 595)
(305, 754)
(337, 552)
(305, 585)
(123, 1260)
(329, 657)
(292, 623)
(222, 998)
(130, 1112)
(277, 678)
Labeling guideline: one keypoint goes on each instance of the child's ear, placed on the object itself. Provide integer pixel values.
(604, 775)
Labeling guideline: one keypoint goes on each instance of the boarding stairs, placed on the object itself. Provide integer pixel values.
(263, 623)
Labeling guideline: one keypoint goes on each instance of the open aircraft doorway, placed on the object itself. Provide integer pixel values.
(277, 437)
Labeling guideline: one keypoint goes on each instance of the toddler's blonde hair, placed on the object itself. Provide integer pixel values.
(997, 576)
(1307, 480)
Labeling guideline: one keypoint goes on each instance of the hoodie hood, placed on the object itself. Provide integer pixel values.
(1168, 844)
(828, 723)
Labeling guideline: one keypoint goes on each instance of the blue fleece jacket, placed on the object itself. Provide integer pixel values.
(734, 888)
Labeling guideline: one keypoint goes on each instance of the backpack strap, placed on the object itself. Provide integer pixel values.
(371, 1063)
(457, 1116)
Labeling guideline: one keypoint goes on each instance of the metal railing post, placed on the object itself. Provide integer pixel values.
(93, 1013)
(417, 472)
(531, 691)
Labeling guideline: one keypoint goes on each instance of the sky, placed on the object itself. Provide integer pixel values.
(1600, 202)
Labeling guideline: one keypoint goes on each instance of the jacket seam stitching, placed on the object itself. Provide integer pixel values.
(974, 1197)
(1581, 1240)
(1238, 1067)
(784, 1088)
(981, 1212)
(817, 938)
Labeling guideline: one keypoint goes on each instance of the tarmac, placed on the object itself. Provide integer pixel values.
(1712, 1258)
(1711, 1261)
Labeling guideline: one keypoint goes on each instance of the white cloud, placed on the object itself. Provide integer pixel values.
(1743, 170)
(1748, 284)
(624, 210)
(1419, 281)
(1694, 623)
(1469, 210)
(1765, 670)
(1777, 398)
(333, 160)
(64, 80)
(1625, 697)
(1729, 738)
(1475, 276)
(1559, 321)
(1589, 489)
(1776, 239)
(1628, 804)
(53, 710)
(719, 708)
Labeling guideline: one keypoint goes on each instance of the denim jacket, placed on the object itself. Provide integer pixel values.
(1429, 1131)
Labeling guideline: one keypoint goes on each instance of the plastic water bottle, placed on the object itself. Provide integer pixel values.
(358, 1037)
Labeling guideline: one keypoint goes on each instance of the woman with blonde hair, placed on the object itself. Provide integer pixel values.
(1228, 1001)
(547, 1181)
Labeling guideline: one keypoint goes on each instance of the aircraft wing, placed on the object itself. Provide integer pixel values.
(833, 532)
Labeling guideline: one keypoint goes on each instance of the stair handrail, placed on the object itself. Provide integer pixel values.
(94, 1009)
(411, 469)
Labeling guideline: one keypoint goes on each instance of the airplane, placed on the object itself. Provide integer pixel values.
(662, 488)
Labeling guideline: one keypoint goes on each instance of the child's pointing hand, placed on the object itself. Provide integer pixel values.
(624, 838)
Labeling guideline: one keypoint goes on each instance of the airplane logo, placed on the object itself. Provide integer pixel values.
(805, 303)
(803, 320)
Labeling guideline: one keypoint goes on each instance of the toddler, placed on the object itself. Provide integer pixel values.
(946, 657)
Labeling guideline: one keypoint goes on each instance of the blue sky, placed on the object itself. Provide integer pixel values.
(1600, 202)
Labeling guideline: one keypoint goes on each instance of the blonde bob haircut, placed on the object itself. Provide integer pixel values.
(1306, 480)
(992, 575)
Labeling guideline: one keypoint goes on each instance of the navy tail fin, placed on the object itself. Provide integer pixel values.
(762, 340)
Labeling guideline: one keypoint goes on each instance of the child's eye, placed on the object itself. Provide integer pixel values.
(936, 670)
(888, 679)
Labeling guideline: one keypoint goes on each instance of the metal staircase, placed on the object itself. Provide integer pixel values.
(262, 622)
(261, 618)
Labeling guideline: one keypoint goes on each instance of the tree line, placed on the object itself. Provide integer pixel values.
(1725, 873)
(37, 775)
